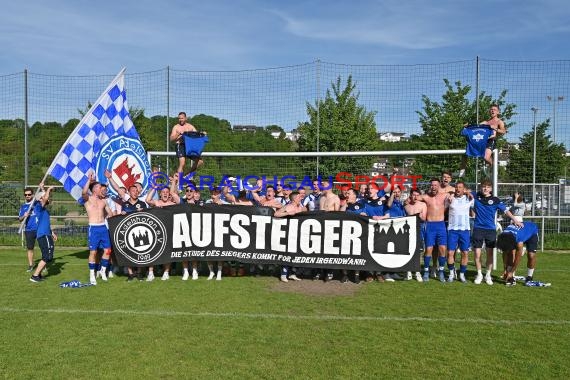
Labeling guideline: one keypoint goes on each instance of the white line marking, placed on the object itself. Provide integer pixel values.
(163, 313)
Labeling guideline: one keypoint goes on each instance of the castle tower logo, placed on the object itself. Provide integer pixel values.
(392, 242)
(126, 159)
(140, 237)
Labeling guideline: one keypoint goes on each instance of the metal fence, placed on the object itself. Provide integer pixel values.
(30, 102)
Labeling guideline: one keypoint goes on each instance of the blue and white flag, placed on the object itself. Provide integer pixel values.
(104, 139)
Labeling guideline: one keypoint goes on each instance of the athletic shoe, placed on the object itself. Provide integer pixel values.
(30, 268)
(419, 277)
(478, 279)
(511, 282)
(441, 276)
(488, 280)
(211, 276)
(219, 276)
(317, 277)
(294, 277)
(462, 278)
(284, 278)
(388, 277)
(92, 279)
(165, 276)
(329, 277)
(131, 278)
(357, 279)
(185, 276)
(150, 277)
(194, 274)
(111, 274)
(425, 277)
(344, 279)
(409, 276)
(433, 272)
(103, 275)
(528, 278)
(36, 279)
(451, 277)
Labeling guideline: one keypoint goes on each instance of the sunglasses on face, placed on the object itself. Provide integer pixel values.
(28, 195)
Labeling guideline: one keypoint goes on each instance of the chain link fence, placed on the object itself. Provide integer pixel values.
(38, 111)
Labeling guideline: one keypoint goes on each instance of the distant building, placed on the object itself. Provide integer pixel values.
(392, 136)
(246, 128)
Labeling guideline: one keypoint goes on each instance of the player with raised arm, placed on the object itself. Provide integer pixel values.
(98, 233)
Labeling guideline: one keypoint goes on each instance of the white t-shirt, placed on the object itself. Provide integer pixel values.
(459, 213)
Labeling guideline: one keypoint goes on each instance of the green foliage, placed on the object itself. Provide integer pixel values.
(550, 157)
(9, 199)
(341, 124)
(442, 121)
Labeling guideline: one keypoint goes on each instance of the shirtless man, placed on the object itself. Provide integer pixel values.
(166, 199)
(499, 129)
(436, 233)
(269, 199)
(328, 200)
(177, 135)
(414, 206)
(292, 208)
(98, 233)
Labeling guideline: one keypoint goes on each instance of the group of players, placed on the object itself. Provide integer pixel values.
(446, 213)
(452, 218)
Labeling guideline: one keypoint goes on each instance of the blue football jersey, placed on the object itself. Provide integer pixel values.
(524, 233)
(476, 136)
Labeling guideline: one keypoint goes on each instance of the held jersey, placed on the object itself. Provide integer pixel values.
(476, 136)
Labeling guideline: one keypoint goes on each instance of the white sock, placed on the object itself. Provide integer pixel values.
(530, 272)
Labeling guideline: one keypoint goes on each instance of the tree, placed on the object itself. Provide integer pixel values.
(340, 124)
(442, 123)
(550, 157)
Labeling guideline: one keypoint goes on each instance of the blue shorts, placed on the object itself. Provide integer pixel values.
(98, 237)
(436, 234)
(458, 238)
(47, 247)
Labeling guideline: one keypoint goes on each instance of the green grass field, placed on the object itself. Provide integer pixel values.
(247, 327)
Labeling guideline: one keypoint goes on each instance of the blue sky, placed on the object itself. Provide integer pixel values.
(100, 37)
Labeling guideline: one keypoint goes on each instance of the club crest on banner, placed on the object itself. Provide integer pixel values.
(140, 237)
(126, 159)
(390, 242)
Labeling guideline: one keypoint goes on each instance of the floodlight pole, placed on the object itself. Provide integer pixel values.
(534, 110)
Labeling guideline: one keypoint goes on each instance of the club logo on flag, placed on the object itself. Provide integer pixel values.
(138, 236)
(390, 243)
(126, 159)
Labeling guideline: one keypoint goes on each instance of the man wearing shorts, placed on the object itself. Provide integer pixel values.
(98, 233)
(436, 233)
(512, 241)
(29, 217)
(45, 235)
(459, 230)
(484, 231)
